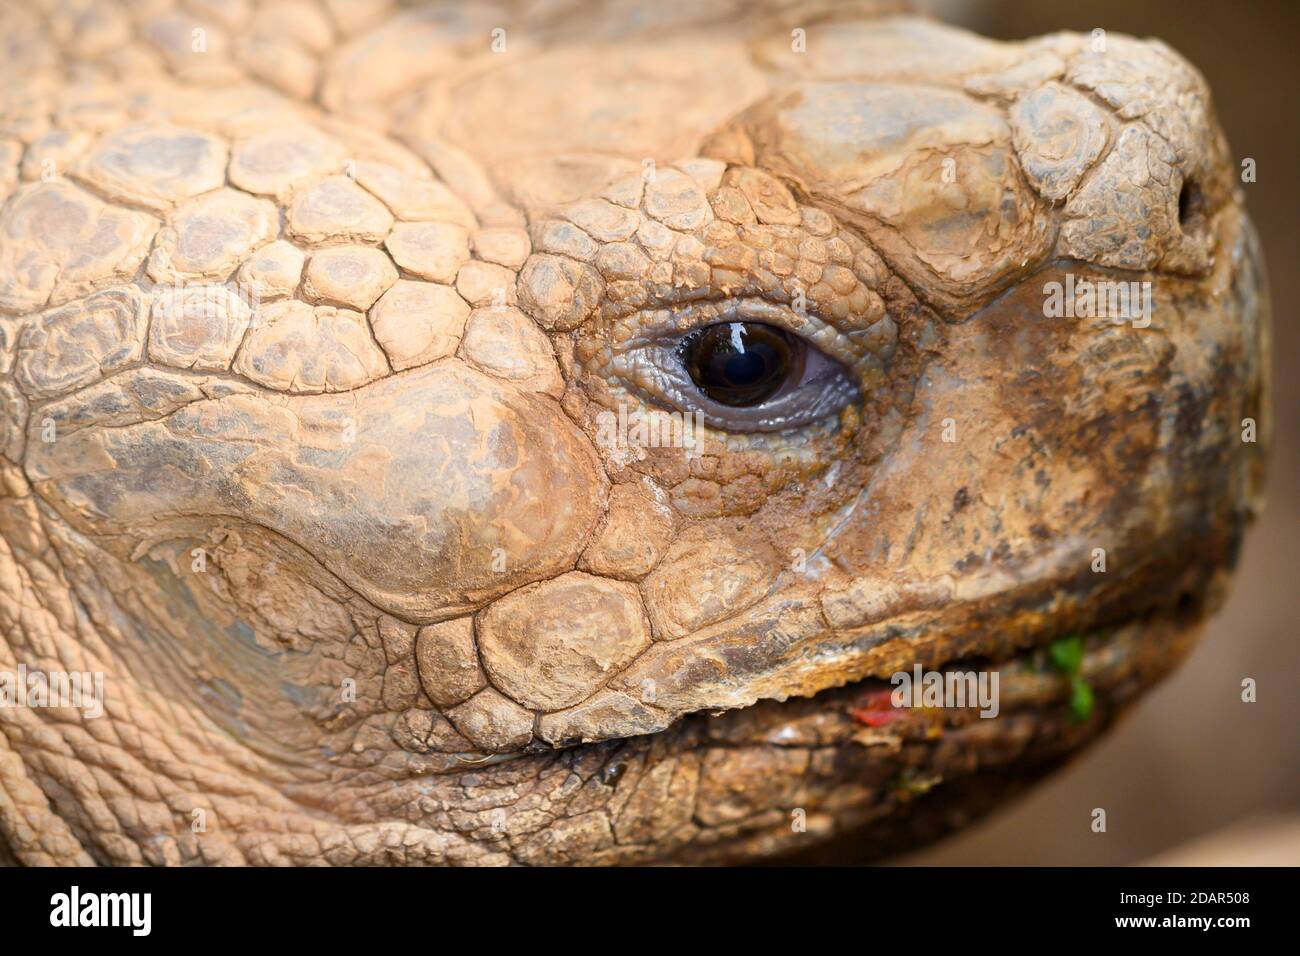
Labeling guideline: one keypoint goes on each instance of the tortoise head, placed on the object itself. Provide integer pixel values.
(561, 471)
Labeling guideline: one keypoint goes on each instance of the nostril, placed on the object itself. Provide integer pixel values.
(1191, 202)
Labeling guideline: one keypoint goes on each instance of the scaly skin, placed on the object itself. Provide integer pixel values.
(364, 583)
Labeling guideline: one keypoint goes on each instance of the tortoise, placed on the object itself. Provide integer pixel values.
(545, 433)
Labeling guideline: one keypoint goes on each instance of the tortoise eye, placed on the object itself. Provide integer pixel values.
(741, 364)
(736, 363)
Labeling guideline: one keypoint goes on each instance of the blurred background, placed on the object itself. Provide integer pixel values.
(1193, 774)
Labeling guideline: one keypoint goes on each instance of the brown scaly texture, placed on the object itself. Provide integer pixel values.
(309, 312)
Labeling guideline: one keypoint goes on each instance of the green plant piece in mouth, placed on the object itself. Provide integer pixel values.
(1066, 656)
(1081, 700)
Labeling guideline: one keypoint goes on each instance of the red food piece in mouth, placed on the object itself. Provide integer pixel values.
(877, 708)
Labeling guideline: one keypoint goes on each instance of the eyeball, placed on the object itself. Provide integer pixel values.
(741, 364)
(739, 376)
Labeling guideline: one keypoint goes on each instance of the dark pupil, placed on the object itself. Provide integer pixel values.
(738, 363)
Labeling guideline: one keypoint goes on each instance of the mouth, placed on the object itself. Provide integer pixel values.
(847, 762)
(886, 778)
(1067, 684)
(1072, 682)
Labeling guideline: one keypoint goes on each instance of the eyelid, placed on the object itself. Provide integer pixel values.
(665, 326)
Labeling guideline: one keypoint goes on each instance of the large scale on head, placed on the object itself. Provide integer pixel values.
(309, 311)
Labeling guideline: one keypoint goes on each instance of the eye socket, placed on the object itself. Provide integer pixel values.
(741, 364)
(745, 365)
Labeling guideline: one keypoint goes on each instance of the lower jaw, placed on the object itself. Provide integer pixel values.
(882, 778)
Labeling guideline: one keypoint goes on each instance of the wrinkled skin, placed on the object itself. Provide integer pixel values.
(364, 582)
